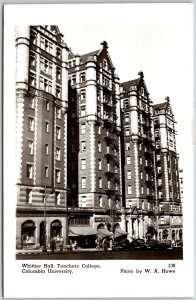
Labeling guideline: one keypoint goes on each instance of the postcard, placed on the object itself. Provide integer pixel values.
(98, 150)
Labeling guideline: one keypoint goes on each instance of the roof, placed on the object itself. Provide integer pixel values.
(84, 57)
(126, 85)
(160, 105)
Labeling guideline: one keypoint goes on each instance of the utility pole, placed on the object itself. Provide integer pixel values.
(46, 192)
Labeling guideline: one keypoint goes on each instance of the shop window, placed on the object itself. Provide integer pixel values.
(28, 232)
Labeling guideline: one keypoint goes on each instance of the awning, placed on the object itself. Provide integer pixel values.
(119, 232)
(81, 231)
(102, 232)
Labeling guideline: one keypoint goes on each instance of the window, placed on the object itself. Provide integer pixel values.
(99, 147)
(142, 190)
(141, 175)
(30, 147)
(128, 146)
(83, 128)
(58, 52)
(105, 64)
(109, 201)
(100, 182)
(83, 146)
(33, 37)
(58, 73)
(100, 201)
(83, 164)
(57, 198)
(127, 132)
(129, 190)
(108, 149)
(99, 164)
(32, 59)
(58, 112)
(47, 126)
(82, 111)
(58, 176)
(83, 201)
(58, 154)
(147, 191)
(28, 196)
(31, 102)
(129, 174)
(82, 77)
(73, 79)
(30, 124)
(58, 91)
(82, 95)
(29, 171)
(46, 172)
(58, 132)
(83, 182)
(47, 105)
(162, 219)
(32, 79)
(127, 118)
(126, 103)
(158, 157)
(141, 162)
(109, 184)
(46, 149)
(128, 160)
(99, 129)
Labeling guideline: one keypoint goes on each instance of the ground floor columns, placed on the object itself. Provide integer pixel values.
(37, 235)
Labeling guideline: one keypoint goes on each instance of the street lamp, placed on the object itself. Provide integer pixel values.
(46, 192)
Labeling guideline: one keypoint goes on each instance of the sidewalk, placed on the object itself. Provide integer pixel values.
(39, 251)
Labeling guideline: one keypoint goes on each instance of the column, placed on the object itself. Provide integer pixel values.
(123, 222)
(22, 56)
(91, 89)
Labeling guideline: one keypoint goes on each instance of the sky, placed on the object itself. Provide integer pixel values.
(155, 39)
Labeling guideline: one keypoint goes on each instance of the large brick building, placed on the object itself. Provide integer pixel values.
(87, 159)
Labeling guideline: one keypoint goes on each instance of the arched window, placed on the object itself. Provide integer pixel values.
(28, 232)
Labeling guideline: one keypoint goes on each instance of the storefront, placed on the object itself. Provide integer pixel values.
(84, 236)
(28, 233)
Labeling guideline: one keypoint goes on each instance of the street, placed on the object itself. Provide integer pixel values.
(169, 254)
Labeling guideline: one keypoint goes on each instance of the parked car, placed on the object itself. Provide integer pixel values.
(179, 244)
(119, 246)
(155, 244)
(167, 244)
(138, 244)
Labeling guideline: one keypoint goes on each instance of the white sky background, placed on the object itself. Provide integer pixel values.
(154, 38)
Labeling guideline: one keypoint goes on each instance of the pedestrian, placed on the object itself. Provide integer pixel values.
(61, 244)
(52, 244)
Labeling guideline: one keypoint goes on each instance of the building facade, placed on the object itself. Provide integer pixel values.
(167, 173)
(138, 158)
(41, 129)
(95, 158)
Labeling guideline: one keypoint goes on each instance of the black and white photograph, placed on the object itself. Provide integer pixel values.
(98, 115)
